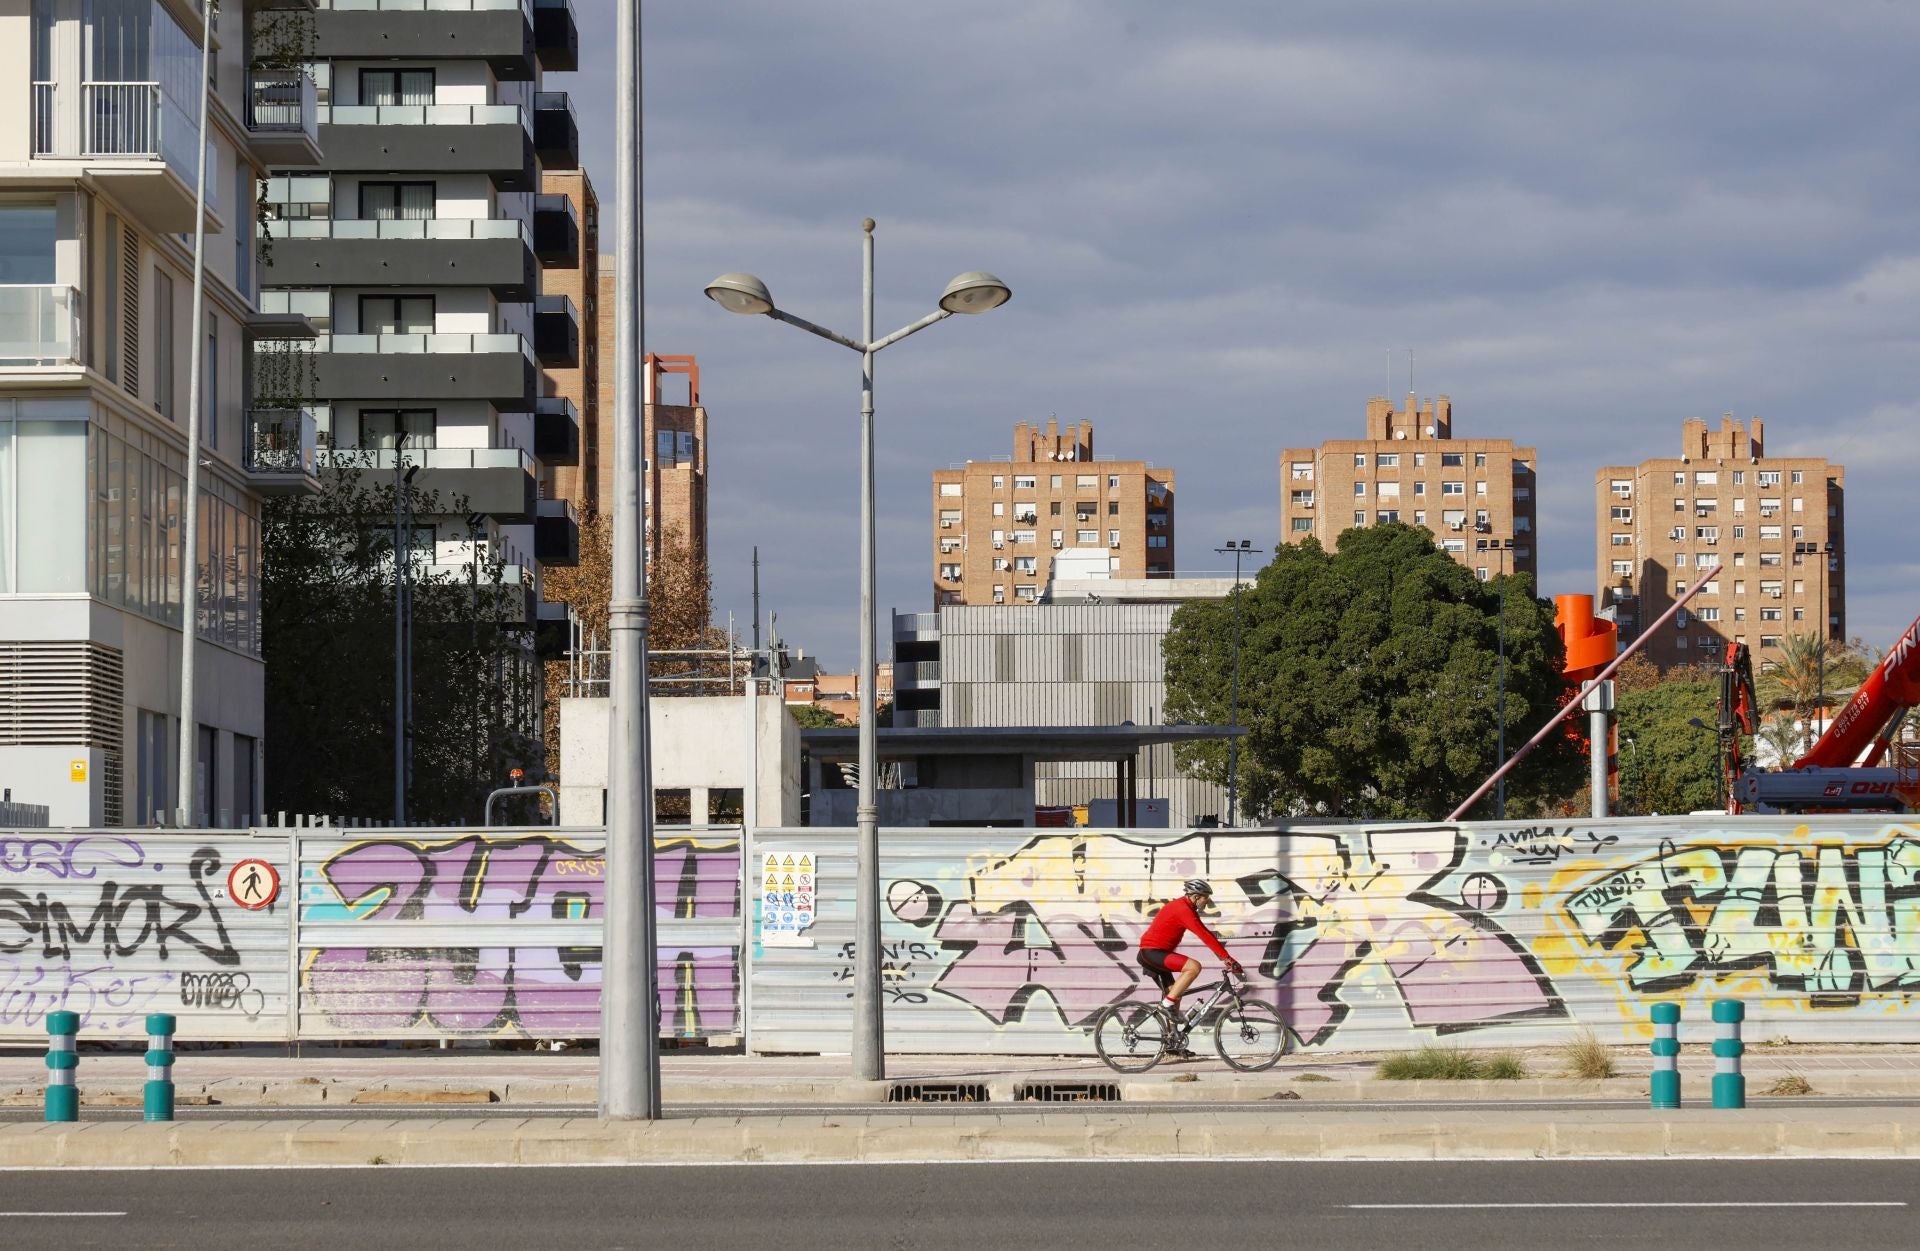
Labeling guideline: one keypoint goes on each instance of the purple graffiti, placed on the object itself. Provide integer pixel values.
(491, 887)
(79, 858)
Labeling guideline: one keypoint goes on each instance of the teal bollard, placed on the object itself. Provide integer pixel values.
(63, 1065)
(1729, 1083)
(158, 1095)
(1665, 1084)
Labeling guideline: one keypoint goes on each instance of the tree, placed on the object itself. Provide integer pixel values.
(327, 633)
(813, 717)
(1672, 766)
(1370, 682)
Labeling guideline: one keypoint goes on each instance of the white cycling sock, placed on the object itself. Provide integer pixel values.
(1169, 1003)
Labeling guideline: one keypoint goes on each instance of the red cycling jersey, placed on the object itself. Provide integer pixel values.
(1174, 920)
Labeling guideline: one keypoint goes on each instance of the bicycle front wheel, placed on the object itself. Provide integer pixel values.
(1131, 1037)
(1250, 1036)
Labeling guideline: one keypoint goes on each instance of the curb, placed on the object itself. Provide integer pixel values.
(858, 1139)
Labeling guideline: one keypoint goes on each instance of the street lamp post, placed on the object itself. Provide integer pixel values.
(1825, 552)
(1633, 755)
(973, 292)
(1240, 548)
(1500, 713)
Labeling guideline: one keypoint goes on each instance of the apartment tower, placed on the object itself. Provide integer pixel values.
(1477, 496)
(418, 251)
(99, 141)
(999, 525)
(1775, 525)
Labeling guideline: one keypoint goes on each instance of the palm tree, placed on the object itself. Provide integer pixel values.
(1782, 736)
(1793, 681)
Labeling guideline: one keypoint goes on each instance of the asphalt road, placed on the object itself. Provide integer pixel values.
(1692, 1204)
(686, 1111)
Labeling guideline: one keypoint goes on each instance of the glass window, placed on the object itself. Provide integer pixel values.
(1452, 459)
(50, 459)
(413, 86)
(1389, 460)
(210, 384)
(396, 314)
(396, 201)
(949, 488)
(382, 427)
(26, 244)
(1303, 525)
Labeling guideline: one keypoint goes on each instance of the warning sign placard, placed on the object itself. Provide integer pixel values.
(787, 897)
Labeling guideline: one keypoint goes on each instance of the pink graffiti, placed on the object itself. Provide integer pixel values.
(542, 989)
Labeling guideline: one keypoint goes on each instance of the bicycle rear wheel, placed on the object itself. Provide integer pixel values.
(1131, 1037)
(1250, 1036)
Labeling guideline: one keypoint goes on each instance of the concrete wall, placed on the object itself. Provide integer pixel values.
(699, 745)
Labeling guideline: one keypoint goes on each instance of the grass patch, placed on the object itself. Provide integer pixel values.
(1313, 1077)
(1791, 1084)
(1587, 1057)
(1450, 1064)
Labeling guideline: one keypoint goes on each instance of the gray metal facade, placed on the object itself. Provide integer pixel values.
(1069, 664)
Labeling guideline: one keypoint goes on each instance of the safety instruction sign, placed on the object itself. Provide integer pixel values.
(253, 884)
(787, 881)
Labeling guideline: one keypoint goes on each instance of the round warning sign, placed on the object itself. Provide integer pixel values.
(253, 884)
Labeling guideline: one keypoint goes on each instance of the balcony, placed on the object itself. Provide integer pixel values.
(41, 325)
(556, 533)
(281, 451)
(556, 332)
(553, 629)
(556, 36)
(497, 368)
(283, 117)
(500, 32)
(556, 431)
(497, 481)
(137, 143)
(556, 133)
(445, 588)
(496, 253)
(909, 675)
(556, 232)
(490, 139)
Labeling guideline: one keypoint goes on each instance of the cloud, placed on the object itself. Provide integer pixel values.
(1586, 225)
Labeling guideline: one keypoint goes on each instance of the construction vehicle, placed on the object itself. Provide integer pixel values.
(1842, 772)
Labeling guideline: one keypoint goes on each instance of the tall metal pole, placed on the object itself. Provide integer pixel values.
(1826, 616)
(630, 1004)
(1500, 715)
(869, 1038)
(1239, 548)
(190, 527)
(399, 638)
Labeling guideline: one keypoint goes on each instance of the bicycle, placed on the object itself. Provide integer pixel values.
(1132, 1036)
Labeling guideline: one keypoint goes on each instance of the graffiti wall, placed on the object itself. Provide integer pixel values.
(483, 935)
(115, 925)
(1377, 936)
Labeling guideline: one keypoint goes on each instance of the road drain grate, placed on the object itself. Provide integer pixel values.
(1067, 1092)
(937, 1092)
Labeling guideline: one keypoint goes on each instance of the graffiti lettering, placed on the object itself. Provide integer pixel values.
(1828, 921)
(546, 987)
(125, 919)
(896, 970)
(103, 998)
(222, 992)
(1542, 844)
(79, 858)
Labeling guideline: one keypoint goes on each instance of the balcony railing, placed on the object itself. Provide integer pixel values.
(558, 101)
(416, 344)
(430, 458)
(43, 98)
(425, 115)
(120, 119)
(547, 203)
(426, 6)
(40, 325)
(282, 441)
(281, 101)
(394, 228)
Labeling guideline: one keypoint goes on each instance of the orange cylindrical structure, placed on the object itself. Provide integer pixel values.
(1893, 685)
(1591, 642)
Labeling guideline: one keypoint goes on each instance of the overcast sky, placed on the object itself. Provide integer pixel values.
(1217, 219)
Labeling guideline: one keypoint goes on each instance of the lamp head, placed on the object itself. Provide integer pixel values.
(1698, 724)
(740, 293)
(974, 292)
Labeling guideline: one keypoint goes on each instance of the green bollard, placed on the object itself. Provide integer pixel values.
(1665, 1084)
(159, 1088)
(1729, 1083)
(63, 1064)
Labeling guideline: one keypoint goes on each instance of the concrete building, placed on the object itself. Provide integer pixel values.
(708, 766)
(998, 525)
(566, 241)
(418, 252)
(1477, 496)
(1776, 526)
(99, 139)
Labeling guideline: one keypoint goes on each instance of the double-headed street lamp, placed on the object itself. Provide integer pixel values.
(973, 292)
(1825, 552)
(1503, 546)
(1239, 548)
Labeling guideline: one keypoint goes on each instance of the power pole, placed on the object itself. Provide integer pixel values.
(1240, 548)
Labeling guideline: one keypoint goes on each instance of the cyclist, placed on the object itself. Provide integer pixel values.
(1170, 970)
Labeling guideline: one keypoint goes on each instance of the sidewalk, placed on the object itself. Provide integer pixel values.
(373, 1076)
(1280, 1131)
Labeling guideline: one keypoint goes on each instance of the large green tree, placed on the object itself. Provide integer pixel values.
(1370, 682)
(1671, 766)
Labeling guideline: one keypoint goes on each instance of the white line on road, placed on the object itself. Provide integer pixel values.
(14, 1214)
(1704, 1203)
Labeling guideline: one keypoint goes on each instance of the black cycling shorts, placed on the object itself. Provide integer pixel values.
(1162, 965)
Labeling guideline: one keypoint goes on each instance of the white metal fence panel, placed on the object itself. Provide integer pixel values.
(459, 934)
(116, 924)
(1371, 936)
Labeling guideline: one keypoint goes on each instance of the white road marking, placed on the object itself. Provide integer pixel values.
(1703, 1203)
(14, 1214)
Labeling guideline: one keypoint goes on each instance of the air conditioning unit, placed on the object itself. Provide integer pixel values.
(998, 544)
(1113, 543)
(1056, 543)
(1701, 512)
(1306, 504)
(946, 525)
(1456, 525)
(1084, 516)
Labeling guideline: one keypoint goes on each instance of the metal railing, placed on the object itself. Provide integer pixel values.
(415, 344)
(556, 304)
(426, 6)
(557, 404)
(549, 203)
(711, 671)
(282, 440)
(40, 325)
(43, 100)
(282, 100)
(554, 101)
(558, 507)
(120, 119)
(424, 115)
(402, 228)
(430, 458)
